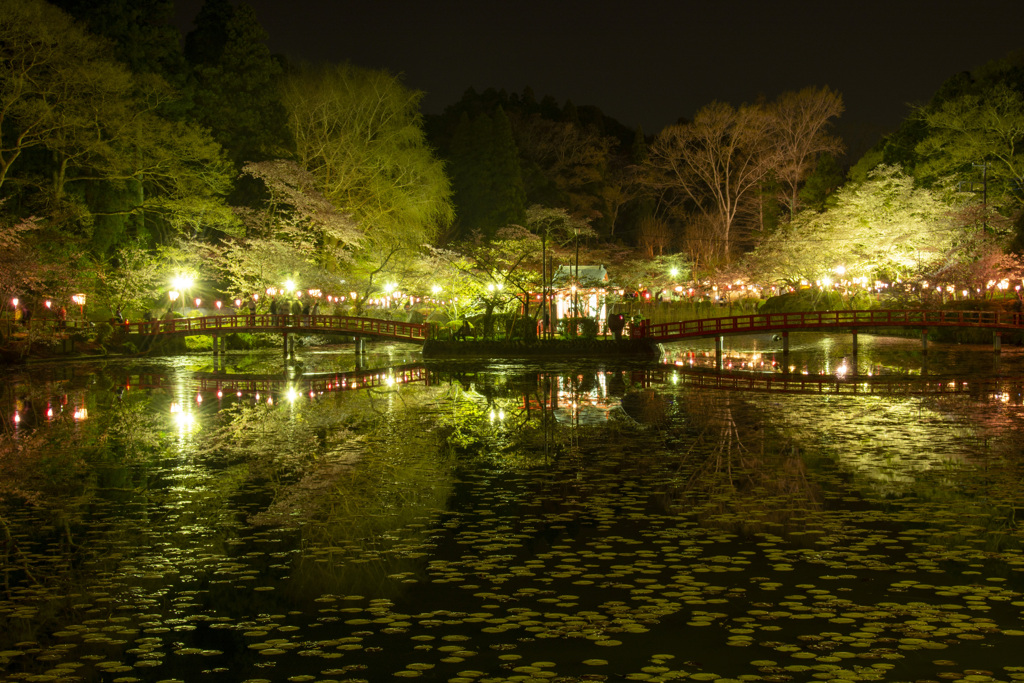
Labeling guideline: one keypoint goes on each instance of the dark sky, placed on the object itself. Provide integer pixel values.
(650, 63)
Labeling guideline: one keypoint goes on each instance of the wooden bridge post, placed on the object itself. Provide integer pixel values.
(719, 351)
(854, 333)
(924, 340)
(360, 346)
(285, 335)
(785, 342)
(997, 341)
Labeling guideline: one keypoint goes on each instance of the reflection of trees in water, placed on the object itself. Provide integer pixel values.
(356, 475)
(737, 470)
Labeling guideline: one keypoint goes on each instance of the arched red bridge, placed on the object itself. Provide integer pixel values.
(283, 324)
(830, 320)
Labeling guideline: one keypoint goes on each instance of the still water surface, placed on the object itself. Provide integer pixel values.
(509, 521)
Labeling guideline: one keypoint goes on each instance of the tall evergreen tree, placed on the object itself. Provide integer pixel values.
(237, 93)
(507, 189)
(142, 31)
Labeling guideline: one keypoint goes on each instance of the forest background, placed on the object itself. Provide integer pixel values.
(132, 155)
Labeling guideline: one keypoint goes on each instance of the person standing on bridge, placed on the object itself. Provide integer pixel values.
(273, 311)
(252, 310)
(297, 312)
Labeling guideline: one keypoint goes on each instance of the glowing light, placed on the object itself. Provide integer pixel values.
(673, 272)
(182, 282)
(289, 285)
(842, 370)
(81, 414)
(292, 395)
(840, 270)
(199, 398)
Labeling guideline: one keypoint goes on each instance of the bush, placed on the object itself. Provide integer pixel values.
(103, 332)
(578, 327)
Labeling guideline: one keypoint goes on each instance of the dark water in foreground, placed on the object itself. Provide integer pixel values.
(517, 522)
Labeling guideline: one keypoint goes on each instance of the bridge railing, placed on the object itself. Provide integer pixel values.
(281, 322)
(812, 319)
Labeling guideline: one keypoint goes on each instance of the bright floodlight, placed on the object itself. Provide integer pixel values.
(840, 270)
(289, 285)
(436, 289)
(182, 282)
(674, 272)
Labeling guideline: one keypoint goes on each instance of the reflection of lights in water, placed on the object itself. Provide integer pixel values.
(49, 413)
(270, 400)
(842, 369)
(17, 417)
(184, 420)
(81, 414)
(220, 394)
(257, 397)
(292, 395)
(1005, 397)
(199, 398)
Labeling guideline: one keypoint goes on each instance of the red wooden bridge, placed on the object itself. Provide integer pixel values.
(831, 320)
(283, 324)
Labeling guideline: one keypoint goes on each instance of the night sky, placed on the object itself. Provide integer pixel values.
(650, 63)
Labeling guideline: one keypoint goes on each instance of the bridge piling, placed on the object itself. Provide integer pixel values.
(285, 347)
(853, 332)
(924, 340)
(785, 342)
(997, 342)
(719, 351)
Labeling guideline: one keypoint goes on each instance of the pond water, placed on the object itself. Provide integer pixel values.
(793, 518)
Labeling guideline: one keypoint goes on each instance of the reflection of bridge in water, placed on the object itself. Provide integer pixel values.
(223, 383)
(570, 389)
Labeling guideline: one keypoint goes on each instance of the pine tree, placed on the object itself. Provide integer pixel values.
(237, 97)
(508, 194)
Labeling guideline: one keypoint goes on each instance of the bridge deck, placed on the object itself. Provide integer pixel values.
(846, 320)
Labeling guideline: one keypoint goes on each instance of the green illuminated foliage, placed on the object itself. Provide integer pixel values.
(359, 132)
(881, 228)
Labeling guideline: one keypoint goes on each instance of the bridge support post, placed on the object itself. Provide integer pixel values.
(719, 351)
(997, 341)
(285, 347)
(785, 342)
(924, 340)
(360, 346)
(853, 332)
